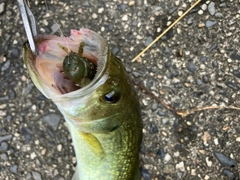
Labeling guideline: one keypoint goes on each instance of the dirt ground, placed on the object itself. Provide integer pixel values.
(195, 64)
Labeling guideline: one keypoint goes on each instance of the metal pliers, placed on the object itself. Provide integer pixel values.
(29, 24)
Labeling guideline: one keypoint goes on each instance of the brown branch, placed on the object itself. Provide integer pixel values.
(182, 113)
(185, 113)
(155, 97)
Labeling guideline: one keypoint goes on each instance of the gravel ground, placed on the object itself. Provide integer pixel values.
(196, 64)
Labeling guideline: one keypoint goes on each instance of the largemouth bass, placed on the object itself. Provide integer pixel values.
(103, 115)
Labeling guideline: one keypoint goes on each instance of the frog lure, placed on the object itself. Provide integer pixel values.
(78, 68)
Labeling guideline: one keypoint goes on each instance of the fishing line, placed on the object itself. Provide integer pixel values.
(58, 26)
(164, 32)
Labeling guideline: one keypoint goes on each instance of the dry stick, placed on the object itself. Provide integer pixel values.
(155, 97)
(182, 113)
(164, 32)
(185, 113)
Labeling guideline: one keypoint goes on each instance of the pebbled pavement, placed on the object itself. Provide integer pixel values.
(195, 64)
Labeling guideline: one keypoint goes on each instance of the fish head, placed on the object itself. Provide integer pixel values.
(100, 106)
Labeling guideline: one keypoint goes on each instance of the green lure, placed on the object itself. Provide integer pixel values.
(77, 68)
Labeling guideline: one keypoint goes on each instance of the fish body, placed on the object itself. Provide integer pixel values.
(103, 117)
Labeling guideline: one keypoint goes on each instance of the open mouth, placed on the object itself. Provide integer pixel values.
(51, 55)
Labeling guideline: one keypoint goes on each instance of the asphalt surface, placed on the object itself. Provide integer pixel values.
(195, 65)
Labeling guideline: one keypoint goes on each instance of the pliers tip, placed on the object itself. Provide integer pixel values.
(29, 24)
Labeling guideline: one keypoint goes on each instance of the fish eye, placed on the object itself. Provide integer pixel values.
(111, 97)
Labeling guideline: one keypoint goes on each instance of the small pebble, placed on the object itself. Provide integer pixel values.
(213, 46)
(13, 169)
(154, 107)
(28, 88)
(205, 79)
(205, 138)
(52, 120)
(4, 146)
(59, 147)
(55, 27)
(168, 169)
(190, 21)
(224, 160)
(172, 10)
(166, 50)
(218, 15)
(145, 174)
(115, 50)
(6, 138)
(33, 155)
(215, 63)
(210, 23)
(200, 12)
(229, 174)
(235, 56)
(161, 153)
(36, 175)
(161, 113)
(204, 7)
(4, 157)
(232, 85)
(180, 13)
(94, 16)
(203, 59)
(153, 129)
(191, 67)
(193, 172)
(180, 166)
(206, 177)
(169, 35)
(131, 3)
(26, 132)
(236, 73)
(100, 10)
(211, 8)
(198, 82)
(209, 162)
(167, 158)
(2, 7)
(148, 41)
(125, 17)
(178, 85)
(6, 65)
(137, 74)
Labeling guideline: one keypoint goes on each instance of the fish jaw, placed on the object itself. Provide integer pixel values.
(106, 136)
(46, 69)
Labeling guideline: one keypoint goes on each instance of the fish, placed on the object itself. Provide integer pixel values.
(103, 115)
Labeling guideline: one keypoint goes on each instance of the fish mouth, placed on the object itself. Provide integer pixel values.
(46, 69)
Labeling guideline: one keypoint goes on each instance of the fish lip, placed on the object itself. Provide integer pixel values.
(93, 40)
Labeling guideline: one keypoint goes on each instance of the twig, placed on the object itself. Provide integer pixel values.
(155, 97)
(166, 30)
(182, 113)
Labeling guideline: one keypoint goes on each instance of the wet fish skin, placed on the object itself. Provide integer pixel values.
(106, 136)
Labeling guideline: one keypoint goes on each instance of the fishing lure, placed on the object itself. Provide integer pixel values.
(78, 68)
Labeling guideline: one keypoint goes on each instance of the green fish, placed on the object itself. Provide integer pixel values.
(103, 115)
